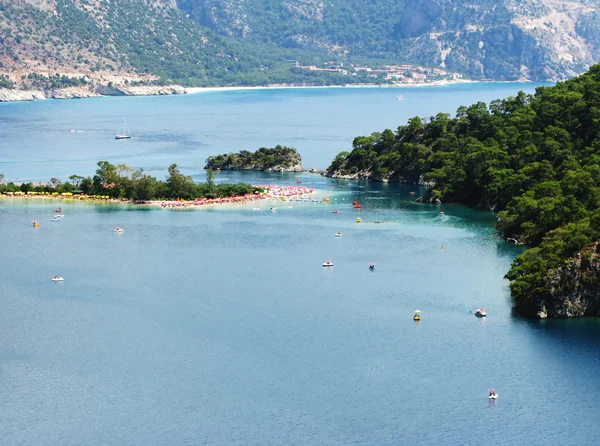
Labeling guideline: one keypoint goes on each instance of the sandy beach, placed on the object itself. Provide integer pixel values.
(272, 192)
(195, 90)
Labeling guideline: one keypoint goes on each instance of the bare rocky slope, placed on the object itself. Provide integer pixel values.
(51, 45)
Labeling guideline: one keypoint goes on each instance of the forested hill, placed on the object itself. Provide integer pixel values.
(494, 39)
(535, 159)
(257, 42)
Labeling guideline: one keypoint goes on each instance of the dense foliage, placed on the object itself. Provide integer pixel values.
(535, 159)
(123, 182)
(5, 82)
(263, 159)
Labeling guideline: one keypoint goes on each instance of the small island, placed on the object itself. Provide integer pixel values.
(276, 159)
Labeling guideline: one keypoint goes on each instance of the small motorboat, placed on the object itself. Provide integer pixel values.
(358, 220)
(442, 214)
(55, 219)
(273, 210)
(335, 211)
(117, 229)
(58, 210)
(372, 267)
(357, 206)
(417, 316)
(328, 263)
(338, 234)
(399, 97)
(493, 395)
(61, 215)
(57, 279)
(480, 313)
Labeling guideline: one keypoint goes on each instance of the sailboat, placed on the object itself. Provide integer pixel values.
(125, 134)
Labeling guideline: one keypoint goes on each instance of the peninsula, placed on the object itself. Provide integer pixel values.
(276, 159)
(122, 184)
(534, 159)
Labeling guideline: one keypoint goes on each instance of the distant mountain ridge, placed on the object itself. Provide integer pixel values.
(501, 40)
(257, 42)
(127, 41)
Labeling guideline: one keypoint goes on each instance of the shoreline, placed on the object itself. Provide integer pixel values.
(272, 193)
(101, 91)
(195, 90)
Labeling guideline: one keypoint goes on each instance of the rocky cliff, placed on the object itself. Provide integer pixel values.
(574, 289)
(90, 91)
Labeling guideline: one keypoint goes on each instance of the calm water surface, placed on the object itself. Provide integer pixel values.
(220, 326)
(36, 139)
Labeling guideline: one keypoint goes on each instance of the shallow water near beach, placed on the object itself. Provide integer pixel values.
(220, 325)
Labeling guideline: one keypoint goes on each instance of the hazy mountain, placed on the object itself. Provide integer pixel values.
(499, 39)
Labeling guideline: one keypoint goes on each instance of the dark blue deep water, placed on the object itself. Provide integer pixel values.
(221, 327)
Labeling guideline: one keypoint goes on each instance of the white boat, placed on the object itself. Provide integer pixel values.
(55, 219)
(338, 234)
(493, 397)
(57, 279)
(328, 263)
(117, 229)
(480, 313)
(125, 134)
(399, 97)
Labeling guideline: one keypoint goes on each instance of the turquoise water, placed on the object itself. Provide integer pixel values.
(220, 326)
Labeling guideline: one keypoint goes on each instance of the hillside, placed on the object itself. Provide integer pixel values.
(533, 159)
(260, 42)
(501, 40)
(130, 41)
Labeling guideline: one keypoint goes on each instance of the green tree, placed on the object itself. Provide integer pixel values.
(76, 179)
(210, 180)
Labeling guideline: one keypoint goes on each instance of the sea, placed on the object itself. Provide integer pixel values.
(220, 326)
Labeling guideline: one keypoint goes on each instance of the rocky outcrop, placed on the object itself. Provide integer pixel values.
(574, 289)
(139, 90)
(405, 176)
(10, 95)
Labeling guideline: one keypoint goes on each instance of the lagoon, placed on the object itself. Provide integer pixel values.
(220, 326)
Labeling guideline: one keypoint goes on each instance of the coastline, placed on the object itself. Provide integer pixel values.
(272, 192)
(195, 90)
(92, 91)
(98, 91)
